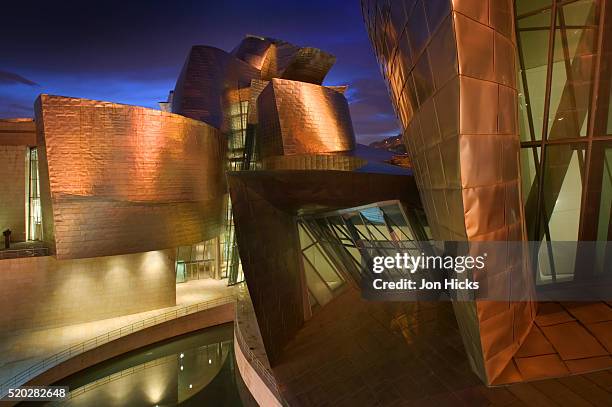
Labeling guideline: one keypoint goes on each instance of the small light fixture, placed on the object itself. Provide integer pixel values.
(182, 355)
(191, 386)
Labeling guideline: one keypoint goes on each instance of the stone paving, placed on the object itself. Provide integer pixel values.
(358, 353)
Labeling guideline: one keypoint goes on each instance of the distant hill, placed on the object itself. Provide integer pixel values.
(396, 146)
(393, 144)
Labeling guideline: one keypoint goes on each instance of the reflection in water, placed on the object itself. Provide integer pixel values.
(196, 369)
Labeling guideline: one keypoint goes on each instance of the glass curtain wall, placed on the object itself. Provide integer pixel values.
(198, 262)
(566, 139)
(34, 209)
(337, 247)
(236, 137)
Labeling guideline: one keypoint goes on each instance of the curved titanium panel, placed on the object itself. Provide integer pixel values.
(121, 179)
(288, 61)
(207, 74)
(252, 50)
(309, 65)
(451, 76)
(302, 118)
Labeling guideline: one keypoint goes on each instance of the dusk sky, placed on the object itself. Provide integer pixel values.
(132, 51)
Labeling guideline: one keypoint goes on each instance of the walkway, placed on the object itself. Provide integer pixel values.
(21, 349)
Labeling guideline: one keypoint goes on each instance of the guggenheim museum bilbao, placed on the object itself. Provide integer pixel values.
(250, 171)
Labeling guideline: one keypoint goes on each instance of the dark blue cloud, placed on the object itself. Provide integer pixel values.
(132, 51)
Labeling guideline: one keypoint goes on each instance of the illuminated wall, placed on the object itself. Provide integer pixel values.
(16, 136)
(119, 179)
(13, 192)
(46, 292)
(450, 67)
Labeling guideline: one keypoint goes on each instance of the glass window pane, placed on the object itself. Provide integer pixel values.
(563, 190)
(571, 78)
(323, 267)
(526, 6)
(316, 286)
(530, 158)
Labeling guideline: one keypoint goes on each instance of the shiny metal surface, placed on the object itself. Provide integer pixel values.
(313, 162)
(207, 74)
(252, 50)
(121, 179)
(303, 118)
(452, 83)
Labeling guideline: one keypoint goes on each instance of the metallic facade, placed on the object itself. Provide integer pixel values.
(302, 118)
(450, 68)
(207, 74)
(121, 179)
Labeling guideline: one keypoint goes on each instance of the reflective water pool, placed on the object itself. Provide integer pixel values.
(192, 370)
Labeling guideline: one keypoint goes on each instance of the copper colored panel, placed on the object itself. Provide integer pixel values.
(475, 48)
(443, 53)
(510, 157)
(506, 120)
(449, 149)
(501, 16)
(573, 341)
(252, 50)
(429, 123)
(535, 344)
(551, 313)
(478, 106)
(119, 179)
(481, 160)
(257, 86)
(447, 107)
(309, 65)
(277, 59)
(417, 29)
(302, 118)
(539, 367)
(483, 215)
(505, 69)
(207, 74)
(436, 10)
(423, 82)
(475, 9)
(478, 149)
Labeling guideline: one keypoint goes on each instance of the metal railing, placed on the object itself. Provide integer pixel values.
(75, 350)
